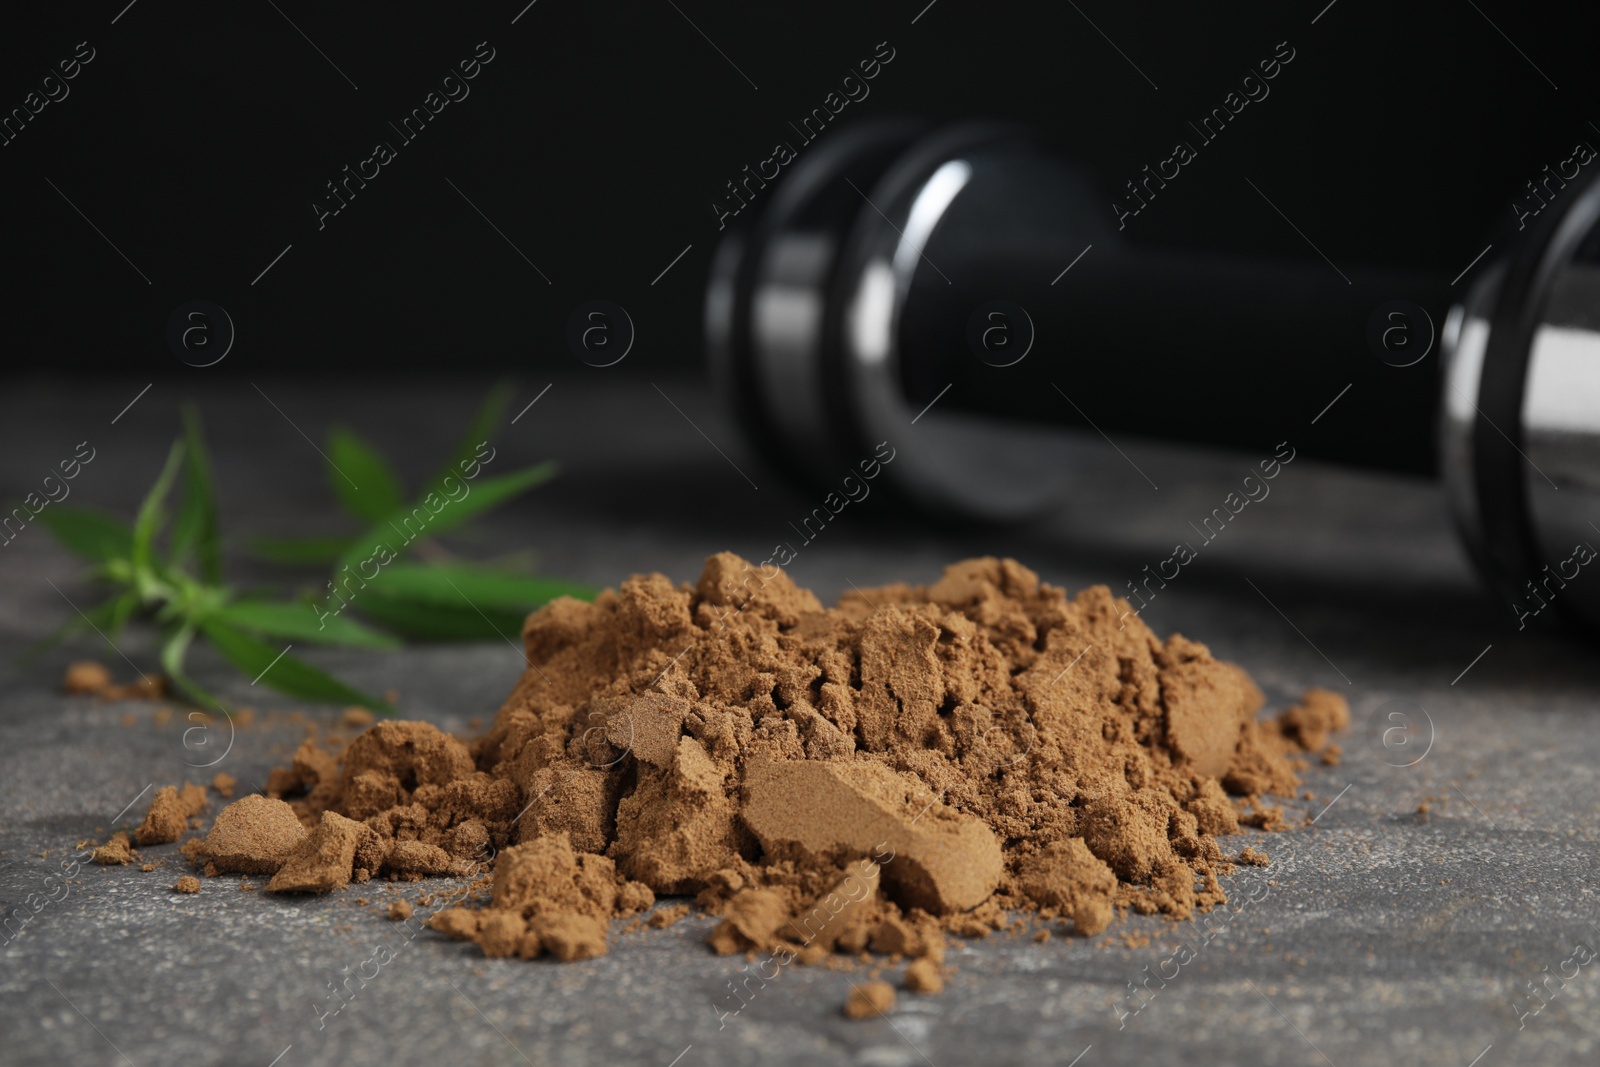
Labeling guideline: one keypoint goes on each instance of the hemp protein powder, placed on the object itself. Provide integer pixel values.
(912, 763)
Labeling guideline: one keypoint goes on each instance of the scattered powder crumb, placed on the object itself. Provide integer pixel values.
(86, 676)
(869, 1000)
(187, 884)
(224, 784)
(923, 975)
(169, 814)
(400, 911)
(193, 798)
(148, 687)
(161, 716)
(91, 678)
(115, 852)
(668, 915)
(913, 763)
(1266, 817)
(360, 717)
(1252, 857)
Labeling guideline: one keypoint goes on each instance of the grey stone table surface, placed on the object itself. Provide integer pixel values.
(1404, 926)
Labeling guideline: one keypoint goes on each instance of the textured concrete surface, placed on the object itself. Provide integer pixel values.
(1403, 927)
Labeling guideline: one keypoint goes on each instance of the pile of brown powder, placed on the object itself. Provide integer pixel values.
(915, 762)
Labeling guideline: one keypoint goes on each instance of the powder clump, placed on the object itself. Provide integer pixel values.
(915, 762)
(89, 677)
(324, 860)
(923, 977)
(85, 676)
(1067, 877)
(116, 852)
(169, 814)
(546, 898)
(253, 835)
(869, 999)
(824, 810)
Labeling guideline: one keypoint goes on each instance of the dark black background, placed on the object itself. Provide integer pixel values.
(200, 135)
